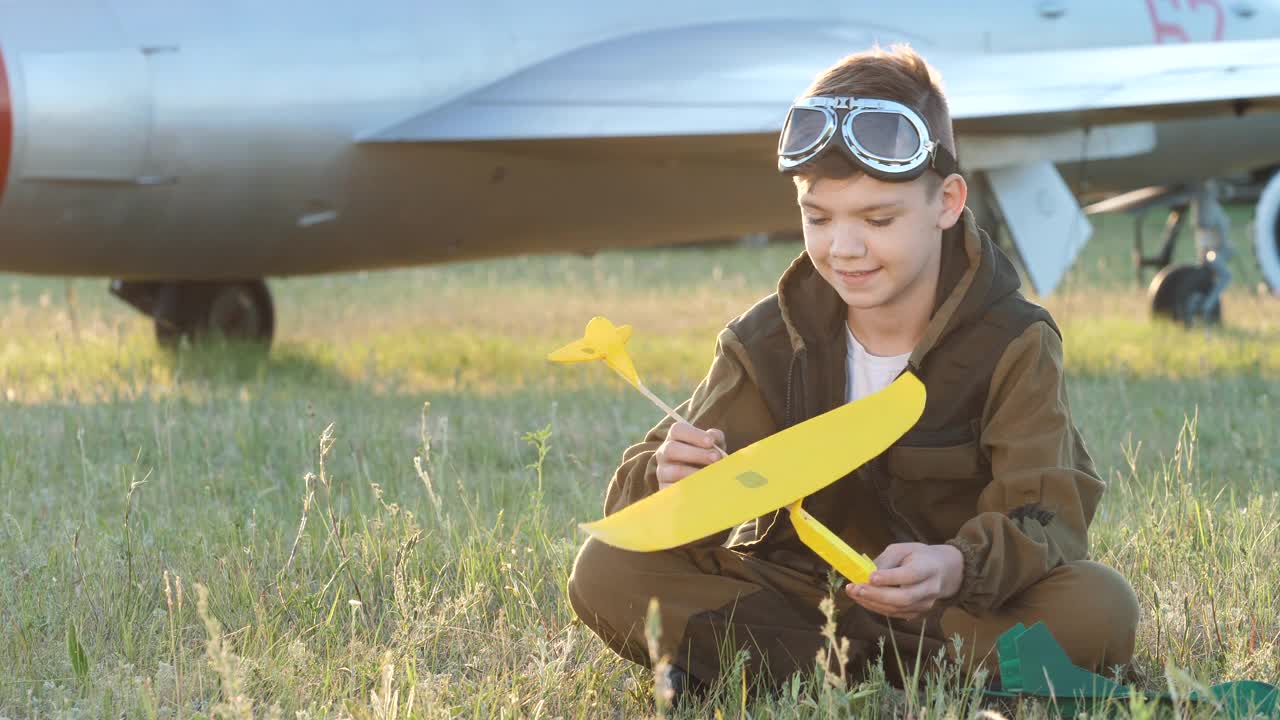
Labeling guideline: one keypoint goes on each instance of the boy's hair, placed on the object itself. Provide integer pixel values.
(897, 74)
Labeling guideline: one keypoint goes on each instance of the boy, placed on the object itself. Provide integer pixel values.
(977, 518)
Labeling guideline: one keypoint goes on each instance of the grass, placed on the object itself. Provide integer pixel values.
(220, 533)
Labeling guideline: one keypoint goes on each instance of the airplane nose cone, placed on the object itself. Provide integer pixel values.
(6, 127)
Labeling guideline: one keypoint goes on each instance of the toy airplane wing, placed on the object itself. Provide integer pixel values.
(767, 475)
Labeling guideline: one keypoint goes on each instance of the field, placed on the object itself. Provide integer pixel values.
(221, 534)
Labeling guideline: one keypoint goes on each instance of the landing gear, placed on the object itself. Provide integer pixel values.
(238, 310)
(1190, 294)
(1169, 238)
(986, 213)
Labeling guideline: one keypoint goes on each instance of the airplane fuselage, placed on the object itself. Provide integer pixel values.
(185, 140)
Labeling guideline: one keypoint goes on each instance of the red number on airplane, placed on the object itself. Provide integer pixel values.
(1180, 20)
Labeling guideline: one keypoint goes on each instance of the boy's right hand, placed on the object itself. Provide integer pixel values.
(687, 450)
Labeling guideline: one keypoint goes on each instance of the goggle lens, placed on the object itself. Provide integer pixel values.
(805, 126)
(887, 135)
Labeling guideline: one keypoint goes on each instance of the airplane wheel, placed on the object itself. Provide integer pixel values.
(240, 311)
(1177, 291)
(1267, 251)
(1266, 234)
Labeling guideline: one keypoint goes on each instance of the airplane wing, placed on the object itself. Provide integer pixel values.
(1016, 113)
(739, 79)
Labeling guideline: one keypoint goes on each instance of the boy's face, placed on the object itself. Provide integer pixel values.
(878, 243)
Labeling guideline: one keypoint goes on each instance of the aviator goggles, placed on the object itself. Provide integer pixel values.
(886, 139)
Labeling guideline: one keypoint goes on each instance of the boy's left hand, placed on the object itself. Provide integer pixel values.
(909, 579)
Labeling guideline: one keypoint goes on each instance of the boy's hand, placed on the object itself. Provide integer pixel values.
(685, 451)
(909, 579)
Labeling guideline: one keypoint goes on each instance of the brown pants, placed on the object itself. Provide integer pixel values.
(713, 599)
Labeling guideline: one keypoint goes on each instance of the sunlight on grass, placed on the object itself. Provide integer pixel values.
(413, 562)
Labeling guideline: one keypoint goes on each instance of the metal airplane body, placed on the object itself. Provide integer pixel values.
(167, 143)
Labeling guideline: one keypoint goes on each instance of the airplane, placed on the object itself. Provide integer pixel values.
(189, 149)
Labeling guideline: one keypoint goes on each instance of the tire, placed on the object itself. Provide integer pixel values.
(1176, 291)
(1268, 256)
(239, 311)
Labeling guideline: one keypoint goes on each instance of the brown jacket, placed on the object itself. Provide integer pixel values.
(995, 466)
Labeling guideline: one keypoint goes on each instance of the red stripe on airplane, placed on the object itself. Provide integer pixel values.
(6, 128)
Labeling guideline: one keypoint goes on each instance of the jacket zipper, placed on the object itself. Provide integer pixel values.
(786, 412)
(887, 502)
(789, 418)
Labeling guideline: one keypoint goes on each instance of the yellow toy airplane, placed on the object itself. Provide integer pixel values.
(777, 471)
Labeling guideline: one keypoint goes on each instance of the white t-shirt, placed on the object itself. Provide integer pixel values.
(866, 373)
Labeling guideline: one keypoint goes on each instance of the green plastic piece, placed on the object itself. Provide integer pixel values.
(1033, 664)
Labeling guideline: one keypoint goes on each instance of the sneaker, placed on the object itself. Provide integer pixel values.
(685, 688)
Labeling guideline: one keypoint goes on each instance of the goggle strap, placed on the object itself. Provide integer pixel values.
(943, 161)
